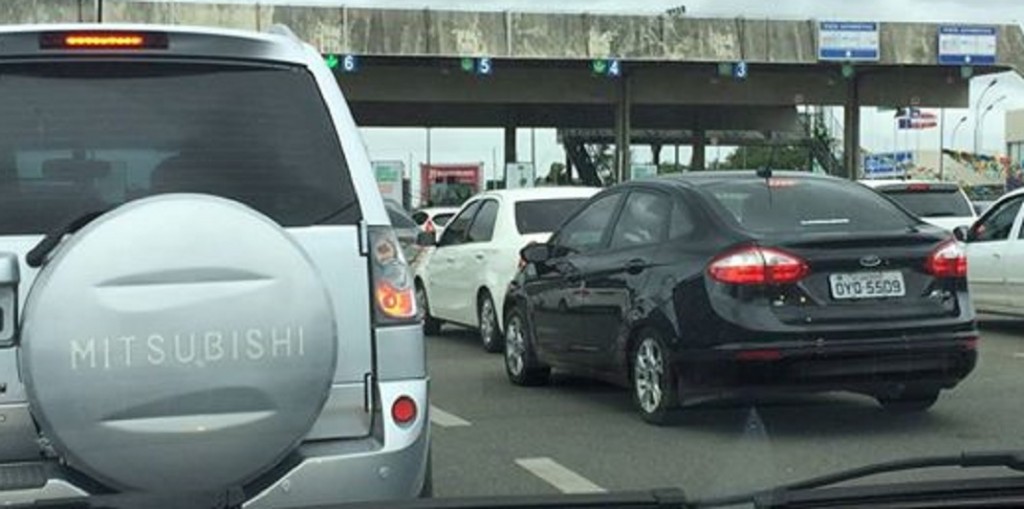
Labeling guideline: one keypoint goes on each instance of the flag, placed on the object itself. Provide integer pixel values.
(915, 118)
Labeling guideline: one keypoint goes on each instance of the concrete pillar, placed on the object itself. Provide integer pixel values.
(623, 134)
(699, 144)
(656, 153)
(851, 130)
(510, 143)
(568, 169)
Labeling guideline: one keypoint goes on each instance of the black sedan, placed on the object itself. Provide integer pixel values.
(739, 283)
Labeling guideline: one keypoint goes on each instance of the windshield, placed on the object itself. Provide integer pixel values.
(312, 253)
(788, 205)
(934, 203)
(543, 216)
(88, 136)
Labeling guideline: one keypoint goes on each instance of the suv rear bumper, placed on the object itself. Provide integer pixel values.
(869, 366)
(390, 464)
(367, 470)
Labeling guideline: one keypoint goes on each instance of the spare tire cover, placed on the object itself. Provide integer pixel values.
(177, 343)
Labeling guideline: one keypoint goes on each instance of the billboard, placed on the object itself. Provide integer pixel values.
(389, 179)
(519, 175)
(888, 165)
(449, 184)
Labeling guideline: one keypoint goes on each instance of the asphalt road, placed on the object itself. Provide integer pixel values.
(578, 435)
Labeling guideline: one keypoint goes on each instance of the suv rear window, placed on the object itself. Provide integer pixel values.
(544, 216)
(798, 205)
(932, 202)
(77, 137)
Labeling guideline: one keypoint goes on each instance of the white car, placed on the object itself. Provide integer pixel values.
(463, 281)
(995, 255)
(433, 219)
(942, 204)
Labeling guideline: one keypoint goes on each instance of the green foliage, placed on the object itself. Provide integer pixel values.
(753, 157)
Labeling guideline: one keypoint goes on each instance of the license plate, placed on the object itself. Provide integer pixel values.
(867, 285)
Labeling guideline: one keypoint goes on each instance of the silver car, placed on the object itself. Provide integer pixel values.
(201, 296)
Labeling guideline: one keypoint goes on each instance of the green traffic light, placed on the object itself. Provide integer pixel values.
(331, 61)
(599, 66)
(848, 71)
(467, 64)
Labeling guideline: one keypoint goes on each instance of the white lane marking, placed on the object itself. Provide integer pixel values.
(445, 419)
(558, 476)
(1018, 355)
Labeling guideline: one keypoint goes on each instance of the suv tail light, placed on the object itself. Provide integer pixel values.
(393, 295)
(947, 261)
(757, 266)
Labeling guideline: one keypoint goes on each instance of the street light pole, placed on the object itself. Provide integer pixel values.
(977, 106)
(981, 121)
(952, 139)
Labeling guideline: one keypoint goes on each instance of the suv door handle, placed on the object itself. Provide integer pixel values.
(636, 265)
(479, 256)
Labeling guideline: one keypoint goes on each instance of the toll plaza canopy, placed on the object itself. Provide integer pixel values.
(428, 68)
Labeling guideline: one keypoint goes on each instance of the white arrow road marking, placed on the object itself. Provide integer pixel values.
(558, 476)
(444, 419)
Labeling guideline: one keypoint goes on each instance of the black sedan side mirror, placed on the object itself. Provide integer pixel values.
(962, 233)
(536, 253)
(426, 239)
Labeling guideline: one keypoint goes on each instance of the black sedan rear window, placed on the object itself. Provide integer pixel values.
(796, 205)
(79, 137)
(932, 202)
(544, 216)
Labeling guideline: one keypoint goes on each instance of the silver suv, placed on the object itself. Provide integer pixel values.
(201, 297)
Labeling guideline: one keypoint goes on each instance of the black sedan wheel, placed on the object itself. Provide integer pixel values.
(521, 363)
(654, 382)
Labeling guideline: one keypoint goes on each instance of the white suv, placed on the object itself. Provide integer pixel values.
(463, 281)
(942, 204)
(201, 297)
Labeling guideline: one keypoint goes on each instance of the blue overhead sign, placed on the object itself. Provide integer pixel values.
(848, 42)
(967, 45)
(893, 164)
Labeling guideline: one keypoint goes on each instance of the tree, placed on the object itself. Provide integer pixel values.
(557, 174)
(780, 158)
(669, 168)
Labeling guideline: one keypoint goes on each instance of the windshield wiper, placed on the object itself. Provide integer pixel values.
(37, 256)
(1013, 460)
(336, 212)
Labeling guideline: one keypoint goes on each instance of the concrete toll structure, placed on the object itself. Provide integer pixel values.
(671, 72)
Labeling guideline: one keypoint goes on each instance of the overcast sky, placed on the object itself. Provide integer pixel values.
(461, 145)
